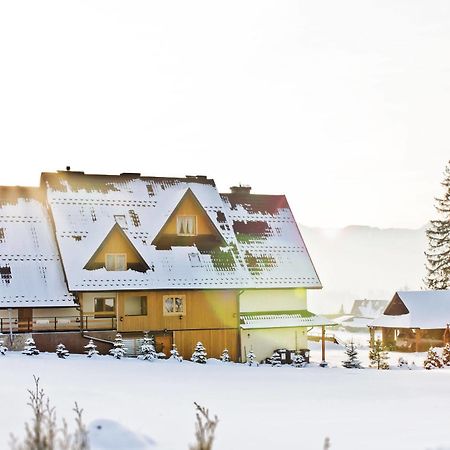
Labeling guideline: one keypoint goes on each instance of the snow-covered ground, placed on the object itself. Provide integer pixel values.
(258, 407)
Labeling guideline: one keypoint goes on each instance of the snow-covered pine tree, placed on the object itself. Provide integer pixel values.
(119, 350)
(61, 351)
(174, 354)
(298, 360)
(199, 355)
(432, 361)
(275, 359)
(91, 349)
(352, 361)
(446, 355)
(379, 356)
(438, 233)
(30, 348)
(148, 351)
(251, 359)
(3, 349)
(225, 356)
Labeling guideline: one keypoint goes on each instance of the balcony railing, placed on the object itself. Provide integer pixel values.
(65, 323)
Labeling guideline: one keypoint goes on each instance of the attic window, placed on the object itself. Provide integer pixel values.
(122, 221)
(2, 235)
(187, 225)
(116, 261)
(5, 273)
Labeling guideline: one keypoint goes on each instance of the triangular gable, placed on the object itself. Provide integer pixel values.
(116, 241)
(207, 237)
(396, 307)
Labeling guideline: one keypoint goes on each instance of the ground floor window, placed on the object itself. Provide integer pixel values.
(174, 305)
(104, 307)
(135, 305)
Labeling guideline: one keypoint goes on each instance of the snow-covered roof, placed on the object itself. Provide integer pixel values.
(31, 274)
(262, 246)
(282, 319)
(368, 308)
(416, 309)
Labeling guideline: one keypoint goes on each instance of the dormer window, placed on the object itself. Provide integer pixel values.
(116, 261)
(187, 225)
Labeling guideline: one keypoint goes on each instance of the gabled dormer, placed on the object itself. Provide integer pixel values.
(117, 253)
(188, 225)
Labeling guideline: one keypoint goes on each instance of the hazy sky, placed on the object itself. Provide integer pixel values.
(344, 106)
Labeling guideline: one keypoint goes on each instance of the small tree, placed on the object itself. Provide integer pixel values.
(379, 356)
(352, 361)
(148, 351)
(3, 349)
(199, 355)
(61, 351)
(275, 359)
(225, 357)
(251, 359)
(174, 354)
(30, 348)
(432, 361)
(119, 350)
(298, 360)
(446, 355)
(91, 349)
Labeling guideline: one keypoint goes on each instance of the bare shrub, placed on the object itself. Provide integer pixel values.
(205, 428)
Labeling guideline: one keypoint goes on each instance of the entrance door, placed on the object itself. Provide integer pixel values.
(25, 319)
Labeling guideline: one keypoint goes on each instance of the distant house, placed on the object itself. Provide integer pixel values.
(172, 256)
(362, 313)
(414, 320)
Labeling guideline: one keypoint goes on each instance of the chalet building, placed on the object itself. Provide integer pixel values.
(98, 254)
(362, 313)
(414, 321)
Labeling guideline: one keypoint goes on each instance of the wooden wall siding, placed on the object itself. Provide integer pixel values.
(204, 310)
(213, 340)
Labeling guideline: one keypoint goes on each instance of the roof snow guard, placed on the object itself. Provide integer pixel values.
(31, 274)
(282, 319)
(256, 243)
(416, 309)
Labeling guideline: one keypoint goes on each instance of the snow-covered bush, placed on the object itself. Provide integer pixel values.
(3, 349)
(225, 356)
(403, 363)
(275, 359)
(91, 349)
(199, 355)
(119, 350)
(251, 359)
(352, 361)
(432, 361)
(61, 351)
(30, 348)
(446, 355)
(378, 356)
(298, 360)
(147, 351)
(174, 354)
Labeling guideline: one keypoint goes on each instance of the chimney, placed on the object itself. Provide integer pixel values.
(241, 189)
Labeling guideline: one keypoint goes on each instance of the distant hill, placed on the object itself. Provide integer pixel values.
(360, 262)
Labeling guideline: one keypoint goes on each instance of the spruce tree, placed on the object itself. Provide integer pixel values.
(148, 351)
(3, 349)
(298, 360)
(119, 350)
(446, 355)
(61, 351)
(199, 355)
(352, 361)
(174, 354)
(438, 233)
(91, 349)
(275, 359)
(225, 356)
(30, 348)
(379, 356)
(251, 359)
(432, 361)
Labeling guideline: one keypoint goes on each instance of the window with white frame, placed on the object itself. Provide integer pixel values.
(174, 305)
(187, 225)
(116, 261)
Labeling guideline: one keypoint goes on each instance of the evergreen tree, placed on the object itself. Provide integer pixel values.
(225, 357)
(251, 359)
(275, 359)
(61, 351)
(446, 355)
(91, 349)
(298, 360)
(174, 354)
(148, 351)
(119, 350)
(3, 349)
(30, 347)
(199, 355)
(438, 233)
(352, 361)
(379, 356)
(432, 361)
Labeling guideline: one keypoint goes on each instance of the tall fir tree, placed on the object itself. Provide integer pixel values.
(378, 356)
(352, 361)
(438, 233)
(199, 355)
(119, 350)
